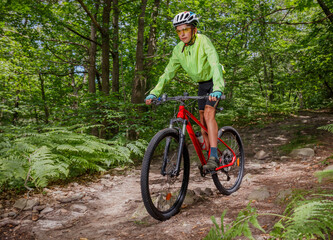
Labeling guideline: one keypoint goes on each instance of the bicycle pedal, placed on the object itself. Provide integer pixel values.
(208, 171)
(202, 172)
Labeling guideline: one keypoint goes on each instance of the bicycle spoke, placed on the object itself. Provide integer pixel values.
(228, 179)
(163, 192)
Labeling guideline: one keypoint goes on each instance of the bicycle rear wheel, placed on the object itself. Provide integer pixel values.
(228, 180)
(162, 192)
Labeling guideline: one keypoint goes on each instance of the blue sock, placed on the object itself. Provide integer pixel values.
(213, 152)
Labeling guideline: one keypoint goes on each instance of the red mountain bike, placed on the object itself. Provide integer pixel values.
(166, 164)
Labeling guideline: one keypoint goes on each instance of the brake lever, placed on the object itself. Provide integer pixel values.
(156, 101)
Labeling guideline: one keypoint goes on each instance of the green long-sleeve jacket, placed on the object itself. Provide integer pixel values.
(200, 61)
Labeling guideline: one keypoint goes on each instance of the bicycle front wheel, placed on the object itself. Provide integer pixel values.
(228, 180)
(162, 191)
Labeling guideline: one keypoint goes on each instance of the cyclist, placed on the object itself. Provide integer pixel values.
(196, 54)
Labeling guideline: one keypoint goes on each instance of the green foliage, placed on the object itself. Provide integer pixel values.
(303, 219)
(58, 153)
(44, 167)
(309, 219)
(270, 68)
(327, 174)
(298, 141)
(327, 127)
(237, 228)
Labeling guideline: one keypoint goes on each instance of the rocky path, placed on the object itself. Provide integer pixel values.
(110, 207)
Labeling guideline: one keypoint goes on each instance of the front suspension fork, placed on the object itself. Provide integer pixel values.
(181, 144)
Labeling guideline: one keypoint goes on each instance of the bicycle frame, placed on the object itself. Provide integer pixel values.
(184, 116)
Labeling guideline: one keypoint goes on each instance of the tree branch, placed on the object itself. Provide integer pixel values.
(159, 56)
(80, 35)
(48, 73)
(329, 87)
(60, 41)
(286, 14)
(91, 17)
(325, 9)
(65, 61)
(246, 26)
(289, 23)
(84, 37)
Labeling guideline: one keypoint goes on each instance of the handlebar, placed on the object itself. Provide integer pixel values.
(165, 98)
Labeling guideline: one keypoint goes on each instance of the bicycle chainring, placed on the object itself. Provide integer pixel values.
(226, 158)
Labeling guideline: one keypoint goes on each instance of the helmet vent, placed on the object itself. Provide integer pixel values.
(185, 18)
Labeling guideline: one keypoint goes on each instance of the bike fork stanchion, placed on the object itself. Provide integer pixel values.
(180, 149)
(165, 156)
(166, 150)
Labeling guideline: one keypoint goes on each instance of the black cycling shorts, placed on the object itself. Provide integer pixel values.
(206, 88)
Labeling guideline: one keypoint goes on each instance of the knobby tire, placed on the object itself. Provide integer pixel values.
(160, 193)
(230, 136)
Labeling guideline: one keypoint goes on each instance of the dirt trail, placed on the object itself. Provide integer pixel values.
(111, 207)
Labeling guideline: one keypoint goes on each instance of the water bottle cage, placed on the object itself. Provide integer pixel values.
(201, 141)
(203, 145)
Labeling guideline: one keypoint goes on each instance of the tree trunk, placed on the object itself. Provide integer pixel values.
(104, 29)
(36, 115)
(152, 42)
(92, 72)
(265, 68)
(17, 100)
(260, 85)
(139, 82)
(329, 88)
(271, 79)
(167, 32)
(152, 33)
(264, 54)
(42, 89)
(106, 47)
(301, 102)
(326, 10)
(98, 79)
(115, 56)
(3, 101)
(92, 55)
(105, 56)
(75, 89)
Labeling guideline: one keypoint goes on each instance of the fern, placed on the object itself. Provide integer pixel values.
(328, 127)
(45, 167)
(304, 219)
(12, 167)
(85, 149)
(67, 148)
(80, 165)
(24, 147)
(58, 153)
(239, 227)
(312, 218)
(137, 147)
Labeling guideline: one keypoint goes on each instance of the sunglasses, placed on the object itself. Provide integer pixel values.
(184, 30)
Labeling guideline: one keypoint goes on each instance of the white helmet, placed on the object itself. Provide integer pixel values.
(186, 18)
